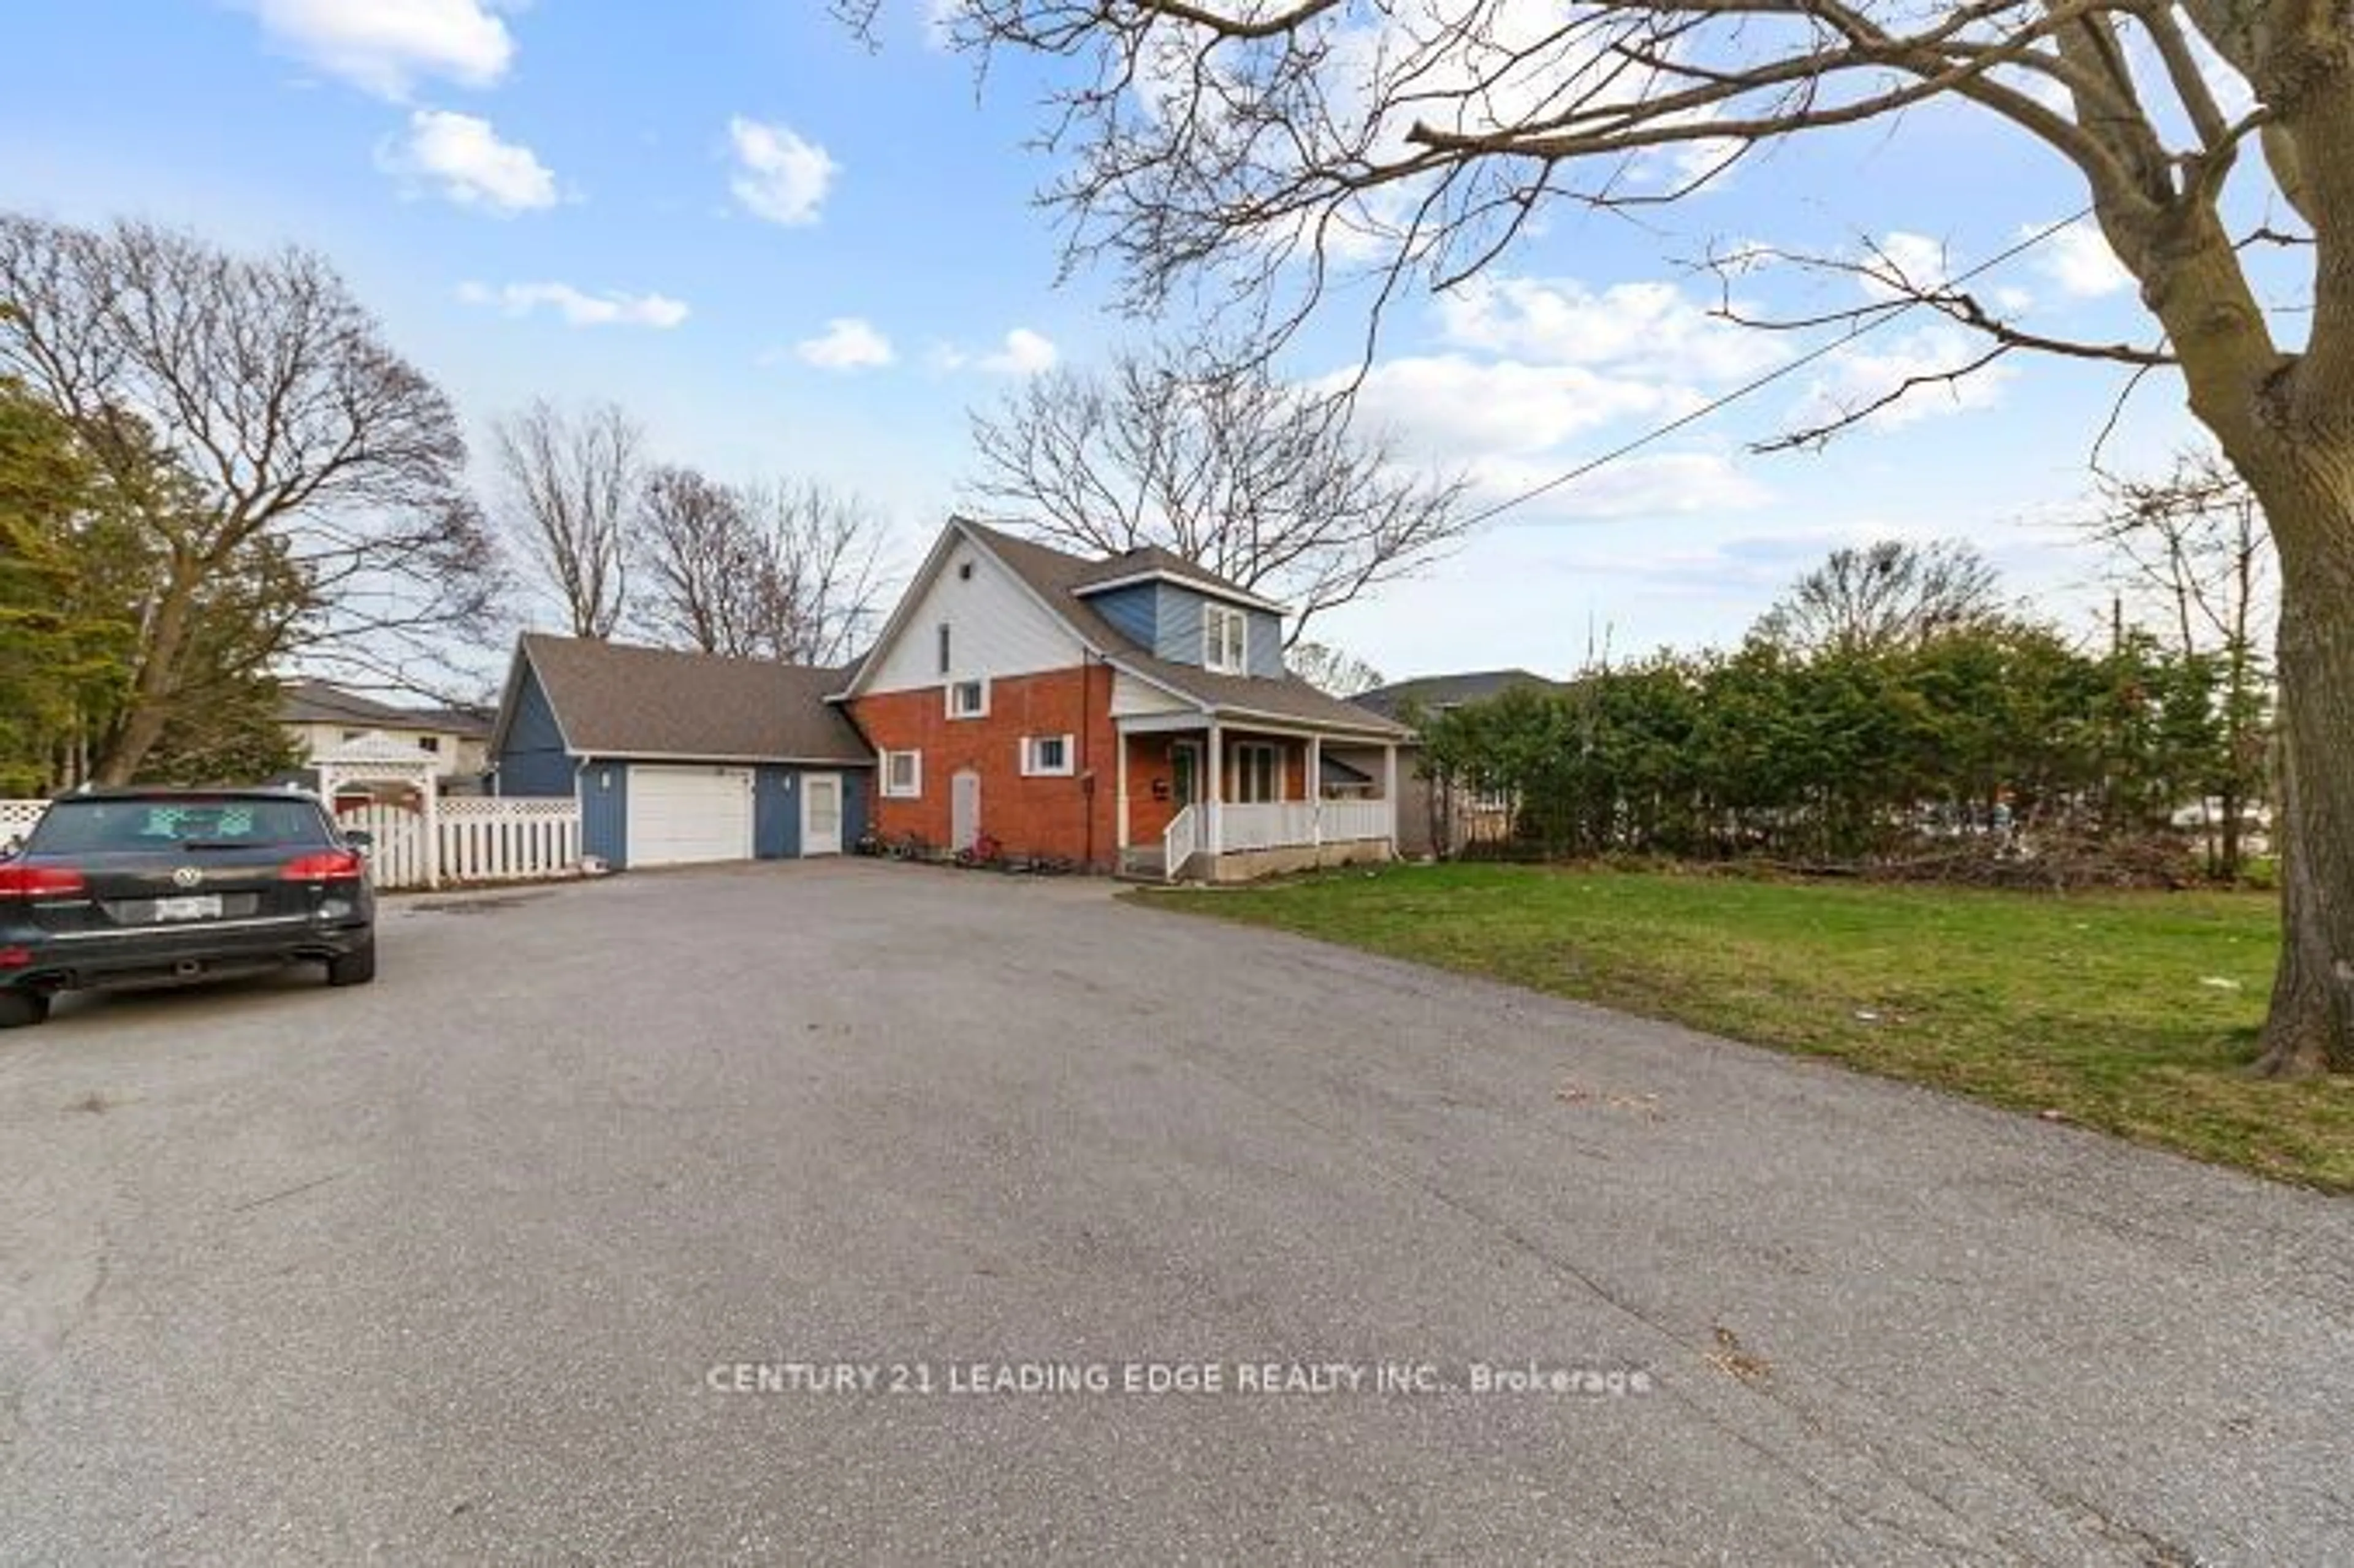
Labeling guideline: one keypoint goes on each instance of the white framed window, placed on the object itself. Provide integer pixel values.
(902, 775)
(1046, 755)
(968, 699)
(1226, 639)
(1258, 772)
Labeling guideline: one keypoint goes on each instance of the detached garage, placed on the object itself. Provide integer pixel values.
(681, 758)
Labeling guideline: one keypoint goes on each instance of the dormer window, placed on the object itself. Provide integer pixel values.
(1225, 641)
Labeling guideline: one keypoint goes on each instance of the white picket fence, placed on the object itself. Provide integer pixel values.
(480, 839)
(18, 817)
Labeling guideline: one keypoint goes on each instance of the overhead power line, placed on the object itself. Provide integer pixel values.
(1895, 311)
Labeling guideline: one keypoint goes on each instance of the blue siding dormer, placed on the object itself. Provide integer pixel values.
(1134, 612)
(1167, 618)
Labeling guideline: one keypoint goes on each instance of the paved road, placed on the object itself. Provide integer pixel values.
(443, 1270)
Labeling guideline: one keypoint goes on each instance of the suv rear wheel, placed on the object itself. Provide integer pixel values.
(355, 967)
(20, 1008)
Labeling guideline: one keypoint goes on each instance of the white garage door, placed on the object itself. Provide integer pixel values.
(680, 815)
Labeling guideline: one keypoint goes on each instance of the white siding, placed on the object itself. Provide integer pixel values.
(1132, 698)
(997, 629)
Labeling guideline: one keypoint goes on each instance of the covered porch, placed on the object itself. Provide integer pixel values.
(1227, 802)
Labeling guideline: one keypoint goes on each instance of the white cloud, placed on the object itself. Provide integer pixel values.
(386, 46)
(848, 342)
(462, 155)
(1652, 329)
(2080, 261)
(578, 307)
(1916, 258)
(1025, 352)
(1449, 406)
(778, 176)
(1655, 484)
(1854, 379)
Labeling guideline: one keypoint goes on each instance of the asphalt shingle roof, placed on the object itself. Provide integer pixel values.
(308, 701)
(613, 699)
(1436, 691)
(1057, 577)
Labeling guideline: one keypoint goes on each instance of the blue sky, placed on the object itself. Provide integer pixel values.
(792, 257)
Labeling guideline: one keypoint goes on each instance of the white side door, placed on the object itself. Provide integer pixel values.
(964, 810)
(686, 816)
(820, 813)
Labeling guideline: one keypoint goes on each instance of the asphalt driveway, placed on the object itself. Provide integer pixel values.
(536, 1249)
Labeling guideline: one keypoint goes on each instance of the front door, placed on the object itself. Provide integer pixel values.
(964, 810)
(820, 813)
(1185, 772)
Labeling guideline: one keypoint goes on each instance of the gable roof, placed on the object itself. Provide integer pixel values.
(1058, 580)
(309, 701)
(1150, 563)
(1451, 690)
(612, 699)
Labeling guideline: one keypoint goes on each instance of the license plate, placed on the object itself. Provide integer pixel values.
(194, 906)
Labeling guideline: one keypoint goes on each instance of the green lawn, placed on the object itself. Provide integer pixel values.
(2136, 1013)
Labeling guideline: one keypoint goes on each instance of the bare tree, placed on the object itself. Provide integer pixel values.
(1262, 144)
(1331, 669)
(1887, 595)
(781, 571)
(1208, 455)
(570, 489)
(700, 562)
(819, 590)
(247, 409)
(2194, 542)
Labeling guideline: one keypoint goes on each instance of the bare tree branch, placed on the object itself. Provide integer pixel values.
(570, 490)
(1263, 483)
(301, 439)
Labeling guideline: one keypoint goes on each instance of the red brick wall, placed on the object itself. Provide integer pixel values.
(1045, 816)
(1148, 762)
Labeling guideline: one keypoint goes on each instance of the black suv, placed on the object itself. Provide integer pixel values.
(135, 887)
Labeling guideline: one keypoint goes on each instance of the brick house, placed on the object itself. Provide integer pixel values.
(1130, 713)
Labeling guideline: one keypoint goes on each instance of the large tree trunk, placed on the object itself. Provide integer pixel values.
(2311, 1026)
(153, 689)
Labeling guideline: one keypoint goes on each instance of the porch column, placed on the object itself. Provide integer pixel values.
(1389, 789)
(1316, 790)
(1215, 797)
(1119, 802)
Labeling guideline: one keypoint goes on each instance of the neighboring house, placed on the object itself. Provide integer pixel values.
(679, 758)
(1130, 713)
(1434, 815)
(322, 717)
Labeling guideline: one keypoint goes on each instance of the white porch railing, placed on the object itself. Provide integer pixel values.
(1241, 827)
(1180, 840)
(1348, 821)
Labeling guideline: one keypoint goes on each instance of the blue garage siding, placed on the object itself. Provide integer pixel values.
(777, 809)
(532, 761)
(857, 783)
(605, 811)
